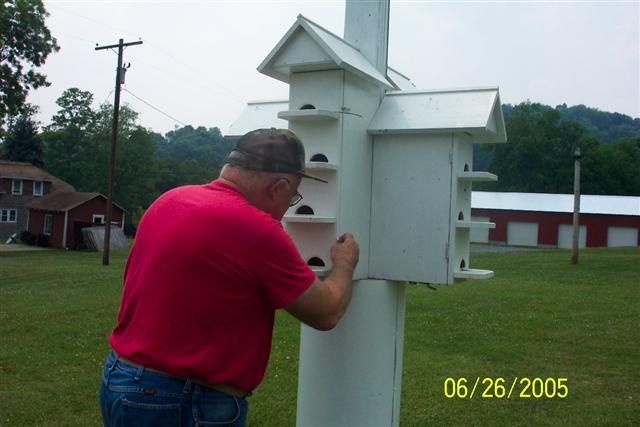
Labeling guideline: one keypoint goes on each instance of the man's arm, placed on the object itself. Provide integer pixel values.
(322, 305)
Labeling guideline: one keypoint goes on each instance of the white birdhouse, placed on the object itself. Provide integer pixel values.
(399, 171)
(422, 175)
(333, 94)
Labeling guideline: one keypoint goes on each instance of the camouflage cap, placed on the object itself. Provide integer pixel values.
(270, 150)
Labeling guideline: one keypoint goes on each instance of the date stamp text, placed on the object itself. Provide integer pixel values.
(501, 388)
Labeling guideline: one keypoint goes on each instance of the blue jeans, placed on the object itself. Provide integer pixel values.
(137, 397)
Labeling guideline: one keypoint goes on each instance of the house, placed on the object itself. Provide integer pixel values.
(545, 220)
(58, 218)
(20, 184)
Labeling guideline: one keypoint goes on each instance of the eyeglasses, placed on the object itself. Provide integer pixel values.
(295, 199)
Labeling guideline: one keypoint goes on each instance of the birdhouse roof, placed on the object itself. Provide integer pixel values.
(309, 47)
(399, 80)
(257, 115)
(476, 111)
(545, 202)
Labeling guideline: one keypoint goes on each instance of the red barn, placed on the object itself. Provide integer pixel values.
(58, 218)
(545, 220)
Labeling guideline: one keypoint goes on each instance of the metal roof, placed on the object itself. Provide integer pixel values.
(258, 114)
(264, 114)
(309, 47)
(544, 202)
(399, 80)
(474, 110)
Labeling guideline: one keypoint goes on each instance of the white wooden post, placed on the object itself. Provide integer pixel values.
(366, 26)
(351, 376)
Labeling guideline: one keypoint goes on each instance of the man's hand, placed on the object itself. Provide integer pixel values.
(345, 253)
(322, 305)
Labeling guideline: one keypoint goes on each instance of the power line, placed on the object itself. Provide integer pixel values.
(107, 97)
(154, 107)
(194, 83)
(188, 68)
(58, 33)
(111, 27)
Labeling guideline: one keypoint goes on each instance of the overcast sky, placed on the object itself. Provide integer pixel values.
(199, 58)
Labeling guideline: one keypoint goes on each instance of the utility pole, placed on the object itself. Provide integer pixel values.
(114, 137)
(576, 206)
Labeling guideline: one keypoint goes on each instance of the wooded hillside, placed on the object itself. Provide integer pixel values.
(538, 156)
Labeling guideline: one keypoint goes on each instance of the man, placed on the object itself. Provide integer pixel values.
(209, 267)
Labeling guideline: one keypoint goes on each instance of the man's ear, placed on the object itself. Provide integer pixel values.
(278, 186)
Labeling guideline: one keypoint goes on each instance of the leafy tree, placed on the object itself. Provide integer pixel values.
(78, 141)
(135, 181)
(193, 143)
(71, 155)
(77, 147)
(539, 154)
(538, 157)
(607, 127)
(627, 158)
(23, 143)
(612, 168)
(75, 110)
(137, 215)
(190, 156)
(100, 141)
(26, 42)
(71, 151)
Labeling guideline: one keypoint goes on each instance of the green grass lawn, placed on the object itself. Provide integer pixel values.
(540, 317)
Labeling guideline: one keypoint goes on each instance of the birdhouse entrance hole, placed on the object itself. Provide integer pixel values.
(461, 216)
(463, 265)
(319, 158)
(304, 210)
(315, 262)
(308, 107)
(466, 167)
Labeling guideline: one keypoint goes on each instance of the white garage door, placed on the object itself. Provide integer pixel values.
(622, 236)
(565, 236)
(480, 235)
(522, 234)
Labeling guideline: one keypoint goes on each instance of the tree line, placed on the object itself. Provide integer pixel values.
(75, 147)
(539, 154)
(538, 157)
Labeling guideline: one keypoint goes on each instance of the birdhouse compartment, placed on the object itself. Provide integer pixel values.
(319, 198)
(314, 241)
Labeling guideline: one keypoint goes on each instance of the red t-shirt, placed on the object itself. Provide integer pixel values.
(203, 280)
